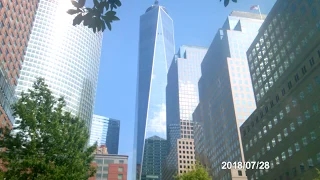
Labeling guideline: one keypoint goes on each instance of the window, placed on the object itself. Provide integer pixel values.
(289, 152)
(277, 160)
(297, 146)
(120, 176)
(296, 77)
(288, 108)
(311, 61)
(304, 70)
(121, 161)
(304, 141)
(273, 142)
(120, 169)
(268, 146)
(307, 114)
(260, 134)
(275, 120)
(283, 156)
(292, 127)
(310, 163)
(302, 167)
(285, 132)
(270, 125)
(283, 92)
(281, 114)
(299, 120)
(289, 85)
(239, 172)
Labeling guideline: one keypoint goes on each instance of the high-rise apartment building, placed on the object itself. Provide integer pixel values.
(154, 155)
(225, 92)
(284, 62)
(181, 99)
(67, 56)
(156, 51)
(16, 22)
(105, 131)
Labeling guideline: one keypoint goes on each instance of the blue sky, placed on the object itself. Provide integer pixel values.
(195, 23)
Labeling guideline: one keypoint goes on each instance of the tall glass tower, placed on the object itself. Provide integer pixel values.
(156, 51)
(68, 57)
(105, 131)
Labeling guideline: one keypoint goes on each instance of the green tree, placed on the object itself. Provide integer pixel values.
(48, 143)
(198, 173)
(317, 178)
(102, 13)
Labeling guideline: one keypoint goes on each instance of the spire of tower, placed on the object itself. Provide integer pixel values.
(156, 2)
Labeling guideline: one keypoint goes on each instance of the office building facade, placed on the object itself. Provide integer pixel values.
(66, 56)
(181, 99)
(154, 155)
(16, 23)
(105, 131)
(156, 51)
(110, 167)
(225, 91)
(284, 62)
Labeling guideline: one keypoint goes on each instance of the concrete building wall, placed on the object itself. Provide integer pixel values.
(186, 156)
(225, 90)
(16, 22)
(284, 62)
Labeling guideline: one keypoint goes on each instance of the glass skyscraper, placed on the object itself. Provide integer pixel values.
(105, 131)
(182, 98)
(156, 51)
(225, 92)
(68, 57)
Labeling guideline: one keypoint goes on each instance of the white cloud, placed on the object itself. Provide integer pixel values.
(157, 123)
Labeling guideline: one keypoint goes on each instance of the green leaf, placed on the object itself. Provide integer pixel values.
(96, 3)
(78, 19)
(82, 3)
(108, 25)
(50, 142)
(73, 11)
(110, 13)
(76, 4)
(115, 18)
(118, 3)
(103, 26)
(106, 5)
(226, 2)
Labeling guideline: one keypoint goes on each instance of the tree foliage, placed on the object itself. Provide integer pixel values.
(198, 173)
(226, 2)
(47, 143)
(318, 177)
(102, 13)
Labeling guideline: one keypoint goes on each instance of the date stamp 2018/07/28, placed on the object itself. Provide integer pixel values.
(246, 165)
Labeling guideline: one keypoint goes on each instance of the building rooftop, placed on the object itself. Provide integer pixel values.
(112, 155)
(155, 5)
(248, 15)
